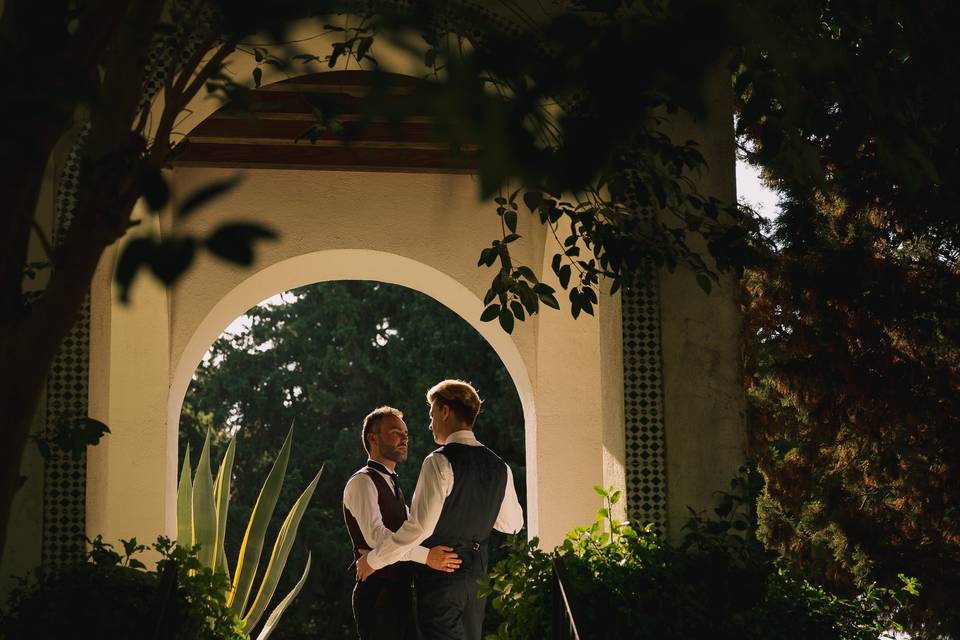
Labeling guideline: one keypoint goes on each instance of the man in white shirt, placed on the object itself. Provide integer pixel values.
(373, 508)
(463, 492)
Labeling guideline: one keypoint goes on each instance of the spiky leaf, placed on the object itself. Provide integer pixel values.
(204, 508)
(221, 497)
(278, 557)
(252, 546)
(185, 503)
(274, 618)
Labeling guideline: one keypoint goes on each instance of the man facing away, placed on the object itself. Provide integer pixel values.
(463, 492)
(373, 508)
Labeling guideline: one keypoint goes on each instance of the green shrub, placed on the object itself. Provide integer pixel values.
(719, 584)
(113, 596)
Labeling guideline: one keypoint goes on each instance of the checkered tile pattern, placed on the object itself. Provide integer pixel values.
(644, 430)
(643, 404)
(65, 477)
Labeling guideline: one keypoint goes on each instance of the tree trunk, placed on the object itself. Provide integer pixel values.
(29, 343)
(21, 385)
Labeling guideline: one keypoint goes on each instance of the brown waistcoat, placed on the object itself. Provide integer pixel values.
(394, 513)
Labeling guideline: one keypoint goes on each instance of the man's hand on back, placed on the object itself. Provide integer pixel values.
(364, 570)
(443, 558)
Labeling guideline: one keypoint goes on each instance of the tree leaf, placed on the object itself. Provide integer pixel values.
(137, 253)
(532, 199)
(549, 300)
(364, 47)
(171, 257)
(234, 242)
(206, 193)
(704, 282)
(506, 319)
(155, 189)
(525, 272)
(490, 313)
(510, 219)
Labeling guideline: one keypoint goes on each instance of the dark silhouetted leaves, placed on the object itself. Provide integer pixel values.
(155, 189)
(490, 313)
(206, 193)
(235, 242)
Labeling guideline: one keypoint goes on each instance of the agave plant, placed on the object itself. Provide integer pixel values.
(202, 506)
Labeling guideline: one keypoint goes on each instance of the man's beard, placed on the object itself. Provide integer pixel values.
(394, 454)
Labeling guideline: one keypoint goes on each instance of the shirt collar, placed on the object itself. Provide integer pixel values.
(463, 436)
(373, 464)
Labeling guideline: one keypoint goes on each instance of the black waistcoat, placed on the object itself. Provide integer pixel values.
(469, 512)
(394, 514)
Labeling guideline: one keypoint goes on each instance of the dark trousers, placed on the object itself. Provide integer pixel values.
(447, 605)
(383, 609)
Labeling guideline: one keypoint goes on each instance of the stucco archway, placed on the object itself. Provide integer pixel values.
(420, 227)
(355, 264)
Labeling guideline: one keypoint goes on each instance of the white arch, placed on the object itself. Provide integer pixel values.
(351, 264)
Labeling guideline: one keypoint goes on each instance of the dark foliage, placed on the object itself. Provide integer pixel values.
(113, 596)
(853, 322)
(720, 584)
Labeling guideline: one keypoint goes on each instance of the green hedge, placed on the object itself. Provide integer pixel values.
(720, 584)
(113, 596)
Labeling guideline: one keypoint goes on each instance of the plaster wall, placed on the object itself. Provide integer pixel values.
(570, 417)
(126, 471)
(704, 403)
(424, 231)
(610, 356)
(437, 224)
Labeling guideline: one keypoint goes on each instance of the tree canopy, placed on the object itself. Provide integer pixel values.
(853, 319)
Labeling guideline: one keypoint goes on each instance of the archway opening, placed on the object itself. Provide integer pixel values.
(320, 357)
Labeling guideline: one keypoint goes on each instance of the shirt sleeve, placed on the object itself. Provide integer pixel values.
(433, 487)
(510, 517)
(360, 498)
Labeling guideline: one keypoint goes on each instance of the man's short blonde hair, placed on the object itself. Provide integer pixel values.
(460, 396)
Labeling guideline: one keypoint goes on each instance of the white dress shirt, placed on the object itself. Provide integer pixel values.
(433, 486)
(360, 498)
